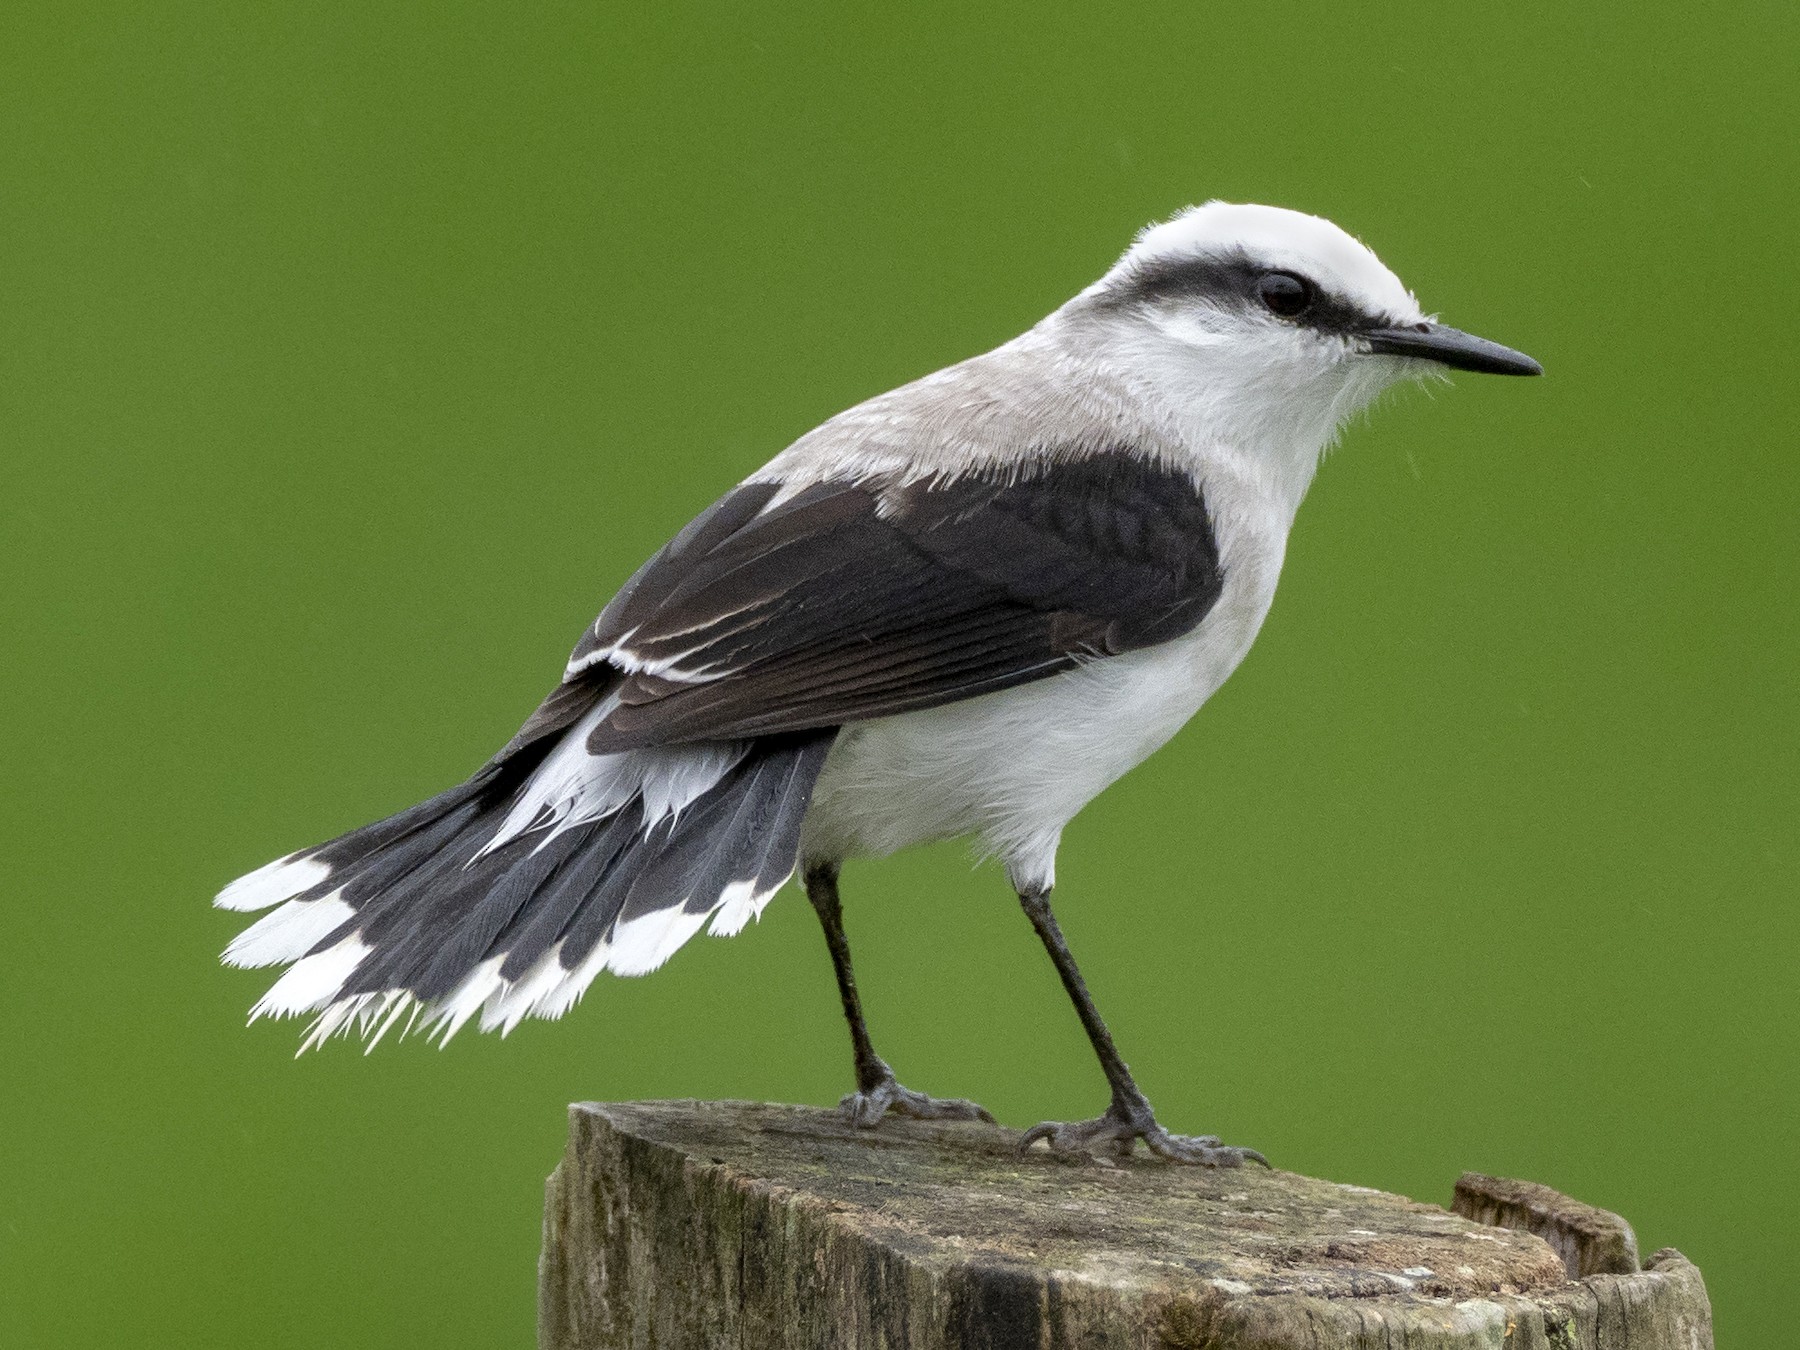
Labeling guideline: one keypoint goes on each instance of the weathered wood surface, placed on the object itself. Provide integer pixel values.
(1590, 1241)
(731, 1224)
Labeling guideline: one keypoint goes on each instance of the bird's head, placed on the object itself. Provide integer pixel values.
(1271, 321)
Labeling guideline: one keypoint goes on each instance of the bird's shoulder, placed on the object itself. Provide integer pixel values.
(982, 528)
(1035, 399)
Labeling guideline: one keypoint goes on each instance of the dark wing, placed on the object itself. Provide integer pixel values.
(856, 600)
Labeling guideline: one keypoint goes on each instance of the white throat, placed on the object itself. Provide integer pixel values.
(1238, 402)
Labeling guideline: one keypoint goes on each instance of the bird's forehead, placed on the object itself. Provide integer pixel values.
(1278, 238)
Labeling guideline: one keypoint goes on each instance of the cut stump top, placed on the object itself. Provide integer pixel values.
(926, 1234)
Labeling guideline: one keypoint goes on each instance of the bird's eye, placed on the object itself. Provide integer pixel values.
(1285, 294)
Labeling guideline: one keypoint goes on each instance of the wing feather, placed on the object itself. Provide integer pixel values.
(850, 600)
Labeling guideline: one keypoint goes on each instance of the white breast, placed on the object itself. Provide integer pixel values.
(1013, 768)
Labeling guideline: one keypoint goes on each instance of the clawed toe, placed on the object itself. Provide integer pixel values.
(1115, 1135)
(865, 1109)
(1203, 1150)
(1076, 1138)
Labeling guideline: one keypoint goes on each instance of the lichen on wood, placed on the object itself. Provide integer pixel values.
(674, 1224)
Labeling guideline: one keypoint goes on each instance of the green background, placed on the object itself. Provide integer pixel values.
(354, 354)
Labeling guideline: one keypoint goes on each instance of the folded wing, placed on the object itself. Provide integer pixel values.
(782, 611)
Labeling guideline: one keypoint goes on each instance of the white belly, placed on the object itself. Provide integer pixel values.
(1013, 768)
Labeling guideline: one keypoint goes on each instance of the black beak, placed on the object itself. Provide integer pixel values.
(1451, 347)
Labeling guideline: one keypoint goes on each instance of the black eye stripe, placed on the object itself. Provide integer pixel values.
(1232, 282)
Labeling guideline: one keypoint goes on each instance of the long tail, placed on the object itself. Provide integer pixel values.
(507, 895)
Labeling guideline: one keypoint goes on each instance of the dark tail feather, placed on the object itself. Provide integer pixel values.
(447, 909)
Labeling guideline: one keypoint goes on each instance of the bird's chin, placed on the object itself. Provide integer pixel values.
(1353, 387)
(1410, 370)
(1366, 378)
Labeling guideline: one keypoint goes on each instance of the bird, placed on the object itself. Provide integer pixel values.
(962, 608)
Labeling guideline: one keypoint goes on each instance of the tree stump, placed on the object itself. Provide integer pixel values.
(710, 1224)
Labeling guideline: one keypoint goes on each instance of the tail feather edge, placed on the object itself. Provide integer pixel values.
(450, 911)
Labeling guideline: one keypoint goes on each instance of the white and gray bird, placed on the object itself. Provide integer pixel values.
(962, 608)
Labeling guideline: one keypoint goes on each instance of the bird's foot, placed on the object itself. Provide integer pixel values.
(1115, 1134)
(865, 1108)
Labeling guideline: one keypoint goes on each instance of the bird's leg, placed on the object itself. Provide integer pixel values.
(1129, 1118)
(877, 1090)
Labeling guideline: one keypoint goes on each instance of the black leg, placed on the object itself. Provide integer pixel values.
(1129, 1118)
(822, 890)
(877, 1090)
